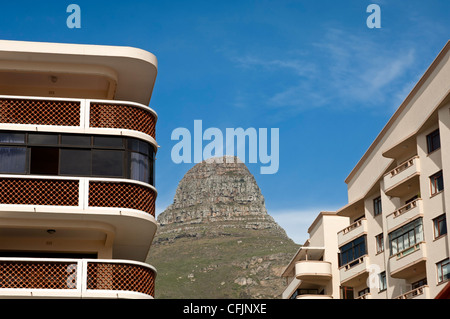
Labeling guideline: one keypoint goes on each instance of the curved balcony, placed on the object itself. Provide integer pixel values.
(313, 271)
(75, 278)
(78, 115)
(122, 210)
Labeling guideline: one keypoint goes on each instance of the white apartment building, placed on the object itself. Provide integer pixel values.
(313, 272)
(77, 152)
(396, 245)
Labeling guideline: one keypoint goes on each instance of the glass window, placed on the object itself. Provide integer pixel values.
(440, 226)
(347, 293)
(139, 169)
(443, 270)
(433, 141)
(76, 140)
(75, 162)
(44, 160)
(377, 206)
(383, 283)
(43, 139)
(380, 242)
(108, 141)
(406, 236)
(437, 183)
(139, 146)
(12, 138)
(107, 163)
(13, 160)
(353, 250)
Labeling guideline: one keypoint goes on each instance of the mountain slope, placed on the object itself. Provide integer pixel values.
(217, 240)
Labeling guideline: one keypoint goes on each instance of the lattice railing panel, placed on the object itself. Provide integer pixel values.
(40, 112)
(103, 115)
(122, 195)
(38, 275)
(28, 191)
(117, 276)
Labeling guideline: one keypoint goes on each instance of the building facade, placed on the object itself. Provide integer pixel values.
(396, 246)
(77, 152)
(313, 272)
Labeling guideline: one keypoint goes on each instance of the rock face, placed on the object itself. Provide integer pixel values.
(213, 198)
(217, 240)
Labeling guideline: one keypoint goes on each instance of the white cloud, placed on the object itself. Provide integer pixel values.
(341, 70)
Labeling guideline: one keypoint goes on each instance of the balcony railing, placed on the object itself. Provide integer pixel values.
(77, 113)
(418, 293)
(401, 173)
(409, 261)
(312, 270)
(354, 271)
(81, 193)
(354, 230)
(75, 278)
(404, 213)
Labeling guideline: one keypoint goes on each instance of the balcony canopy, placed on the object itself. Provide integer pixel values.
(76, 71)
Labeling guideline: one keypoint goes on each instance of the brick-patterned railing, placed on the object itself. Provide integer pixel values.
(37, 275)
(39, 112)
(79, 277)
(119, 276)
(122, 195)
(107, 115)
(41, 191)
(71, 112)
(30, 191)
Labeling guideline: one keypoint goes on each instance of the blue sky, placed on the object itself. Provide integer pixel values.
(313, 69)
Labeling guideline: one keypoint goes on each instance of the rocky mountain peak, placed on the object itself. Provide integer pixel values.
(221, 191)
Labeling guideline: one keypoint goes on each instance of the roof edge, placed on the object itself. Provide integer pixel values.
(400, 109)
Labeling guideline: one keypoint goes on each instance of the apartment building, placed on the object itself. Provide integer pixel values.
(77, 152)
(313, 271)
(397, 246)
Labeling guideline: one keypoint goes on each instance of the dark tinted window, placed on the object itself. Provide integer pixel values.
(13, 159)
(107, 163)
(12, 138)
(43, 139)
(433, 141)
(76, 140)
(108, 141)
(44, 160)
(75, 162)
(139, 146)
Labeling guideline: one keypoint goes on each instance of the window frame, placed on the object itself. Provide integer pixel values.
(443, 220)
(434, 190)
(431, 147)
(377, 208)
(145, 148)
(379, 239)
(439, 270)
(354, 250)
(403, 231)
(383, 281)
